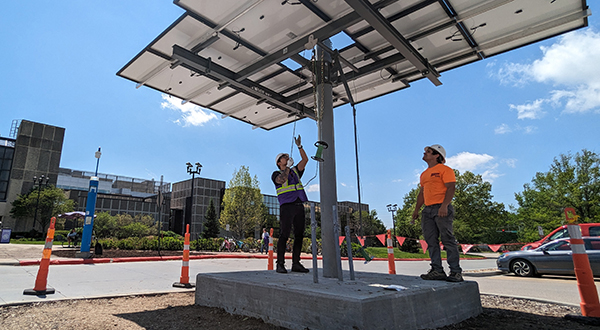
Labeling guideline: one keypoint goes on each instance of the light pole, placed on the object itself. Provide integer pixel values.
(39, 181)
(193, 171)
(393, 208)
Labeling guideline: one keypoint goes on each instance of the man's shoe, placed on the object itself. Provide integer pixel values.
(281, 269)
(434, 275)
(299, 268)
(454, 277)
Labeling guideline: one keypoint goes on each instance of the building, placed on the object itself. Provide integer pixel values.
(189, 207)
(34, 151)
(118, 194)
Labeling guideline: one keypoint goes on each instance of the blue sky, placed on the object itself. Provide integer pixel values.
(505, 117)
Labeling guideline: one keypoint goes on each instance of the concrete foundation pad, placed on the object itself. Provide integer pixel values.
(294, 301)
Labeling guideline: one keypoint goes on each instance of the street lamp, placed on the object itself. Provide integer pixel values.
(39, 181)
(393, 208)
(193, 171)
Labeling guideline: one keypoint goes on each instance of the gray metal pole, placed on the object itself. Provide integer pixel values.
(313, 239)
(336, 233)
(327, 179)
(349, 246)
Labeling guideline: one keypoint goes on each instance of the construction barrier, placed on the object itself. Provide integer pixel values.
(590, 306)
(184, 280)
(270, 262)
(41, 280)
(390, 249)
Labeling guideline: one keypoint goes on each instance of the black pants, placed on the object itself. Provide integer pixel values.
(290, 214)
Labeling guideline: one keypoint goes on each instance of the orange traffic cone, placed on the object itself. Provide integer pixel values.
(390, 248)
(270, 262)
(42, 276)
(590, 305)
(184, 280)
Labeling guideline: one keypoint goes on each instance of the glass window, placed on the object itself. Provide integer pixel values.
(594, 231)
(563, 233)
(560, 246)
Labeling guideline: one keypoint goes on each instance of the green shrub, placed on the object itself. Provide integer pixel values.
(171, 243)
(135, 229)
(169, 233)
(205, 244)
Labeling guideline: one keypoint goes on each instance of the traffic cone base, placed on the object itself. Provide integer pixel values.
(184, 285)
(32, 292)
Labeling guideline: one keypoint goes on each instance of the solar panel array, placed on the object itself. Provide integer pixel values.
(233, 56)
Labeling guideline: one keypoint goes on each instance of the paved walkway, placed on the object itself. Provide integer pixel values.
(80, 281)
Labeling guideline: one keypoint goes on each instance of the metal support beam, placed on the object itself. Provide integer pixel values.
(327, 178)
(279, 55)
(389, 33)
(249, 87)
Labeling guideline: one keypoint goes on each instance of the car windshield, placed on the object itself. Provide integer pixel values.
(555, 246)
(563, 233)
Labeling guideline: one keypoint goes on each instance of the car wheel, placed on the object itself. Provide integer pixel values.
(522, 268)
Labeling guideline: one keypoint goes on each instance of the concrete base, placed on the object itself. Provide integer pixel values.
(84, 255)
(183, 285)
(293, 301)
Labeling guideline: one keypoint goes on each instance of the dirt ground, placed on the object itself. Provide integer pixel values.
(177, 311)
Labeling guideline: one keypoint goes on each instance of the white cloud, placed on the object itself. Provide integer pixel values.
(190, 114)
(502, 129)
(467, 161)
(343, 184)
(510, 162)
(529, 111)
(313, 188)
(571, 65)
(397, 180)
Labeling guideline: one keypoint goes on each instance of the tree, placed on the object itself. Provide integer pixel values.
(52, 202)
(572, 181)
(211, 225)
(242, 203)
(477, 218)
(372, 225)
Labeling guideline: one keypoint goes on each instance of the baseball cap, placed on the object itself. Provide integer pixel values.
(439, 149)
(279, 156)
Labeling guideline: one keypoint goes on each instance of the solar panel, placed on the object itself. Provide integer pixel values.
(232, 56)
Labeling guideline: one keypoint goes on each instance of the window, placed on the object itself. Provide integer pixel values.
(594, 231)
(563, 233)
(560, 246)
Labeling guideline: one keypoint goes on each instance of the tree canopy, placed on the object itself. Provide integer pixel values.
(242, 202)
(477, 218)
(211, 225)
(52, 202)
(572, 181)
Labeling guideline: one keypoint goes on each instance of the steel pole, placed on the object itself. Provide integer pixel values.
(327, 179)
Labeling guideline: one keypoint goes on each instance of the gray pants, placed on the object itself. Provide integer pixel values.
(435, 227)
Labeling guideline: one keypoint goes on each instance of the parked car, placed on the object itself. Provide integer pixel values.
(587, 229)
(551, 258)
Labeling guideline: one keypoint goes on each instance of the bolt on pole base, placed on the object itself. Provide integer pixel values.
(33, 292)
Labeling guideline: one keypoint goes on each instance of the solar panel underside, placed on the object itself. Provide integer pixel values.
(228, 55)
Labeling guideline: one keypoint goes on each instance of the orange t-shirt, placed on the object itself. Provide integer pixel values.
(433, 183)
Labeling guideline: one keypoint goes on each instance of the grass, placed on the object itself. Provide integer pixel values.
(31, 241)
(381, 252)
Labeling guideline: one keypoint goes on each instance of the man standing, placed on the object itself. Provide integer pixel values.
(265, 241)
(291, 196)
(437, 190)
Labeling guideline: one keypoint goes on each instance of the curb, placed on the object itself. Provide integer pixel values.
(79, 261)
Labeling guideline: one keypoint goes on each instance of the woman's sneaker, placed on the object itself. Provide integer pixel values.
(454, 277)
(434, 275)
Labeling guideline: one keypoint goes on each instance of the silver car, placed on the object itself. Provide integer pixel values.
(551, 258)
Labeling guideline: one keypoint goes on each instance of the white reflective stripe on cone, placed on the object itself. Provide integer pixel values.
(186, 264)
(578, 248)
(186, 246)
